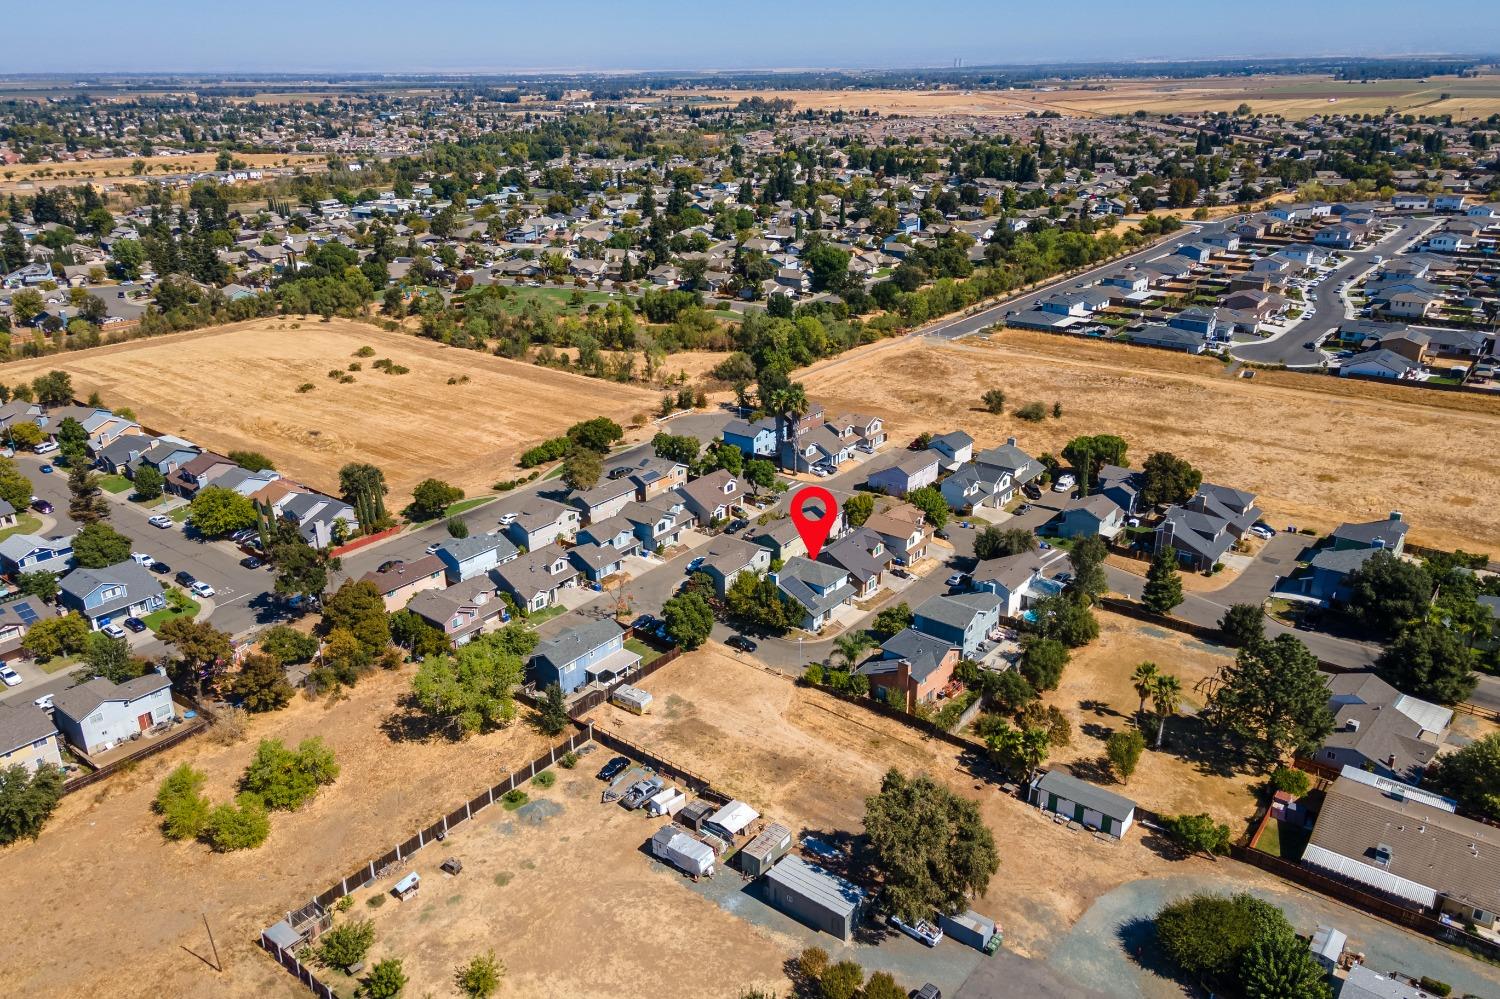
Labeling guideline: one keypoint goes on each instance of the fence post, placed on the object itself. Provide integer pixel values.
(398, 851)
(372, 872)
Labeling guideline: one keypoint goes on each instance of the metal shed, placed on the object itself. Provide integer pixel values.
(1093, 807)
(815, 896)
(731, 820)
(764, 850)
(695, 814)
(632, 699)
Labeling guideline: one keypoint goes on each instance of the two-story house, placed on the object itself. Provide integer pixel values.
(593, 652)
(476, 555)
(21, 553)
(727, 558)
(912, 471)
(963, 619)
(658, 524)
(536, 578)
(814, 590)
(539, 522)
(605, 500)
(462, 611)
(27, 737)
(956, 448)
(912, 668)
(654, 476)
(712, 498)
(860, 553)
(903, 530)
(401, 581)
(976, 487)
(98, 715)
(1020, 580)
(755, 439)
(125, 589)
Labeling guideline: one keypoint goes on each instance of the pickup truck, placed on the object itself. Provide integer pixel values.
(641, 792)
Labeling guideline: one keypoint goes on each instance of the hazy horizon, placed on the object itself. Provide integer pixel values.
(472, 36)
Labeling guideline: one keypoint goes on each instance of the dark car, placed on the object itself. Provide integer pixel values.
(41, 506)
(619, 473)
(1032, 492)
(135, 624)
(251, 562)
(741, 642)
(186, 578)
(643, 623)
(612, 769)
(160, 568)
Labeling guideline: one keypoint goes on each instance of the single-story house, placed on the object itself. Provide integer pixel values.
(1380, 730)
(727, 558)
(1087, 517)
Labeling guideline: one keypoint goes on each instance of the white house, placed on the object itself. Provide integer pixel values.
(99, 715)
(27, 737)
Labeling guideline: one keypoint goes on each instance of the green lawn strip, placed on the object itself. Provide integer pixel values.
(58, 664)
(647, 653)
(546, 614)
(188, 608)
(25, 524)
(115, 483)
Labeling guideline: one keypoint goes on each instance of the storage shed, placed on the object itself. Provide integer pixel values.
(731, 820)
(682, 851)
(764, 850)
(1093, 807)
(632, 699)
(815, 896)
(1327, 947)
(694, 814)
(667, 802)
(971, 928)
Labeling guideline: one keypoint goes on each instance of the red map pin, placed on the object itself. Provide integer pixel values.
(814, 529)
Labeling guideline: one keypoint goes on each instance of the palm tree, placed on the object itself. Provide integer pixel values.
(851, 646)
(1142, 679)
(1166, 695)
(1035, 742)
(790, 405)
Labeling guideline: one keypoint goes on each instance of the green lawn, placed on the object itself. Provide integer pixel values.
(553, 299)
(58, 664)
(466, 504)
(546, 614)
(1282, 840)
(647, 653)
(115, 483)
(186, 607)
(181, 513)
(26, 523)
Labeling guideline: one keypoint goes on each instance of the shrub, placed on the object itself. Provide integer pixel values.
(813, 674)
(356, 366)
(1291, 780)
(376, 901)
(994, 401)
(241, 826)
(366, 351)
(569, 760)
(181, 804)
(544, 779)
(346, 945)
(1434, 986)
(345, 904)
(285, 780)
(480, 977)
(306, 387)
(812, 962)
(386, 979)
(1032, 412)
(514, 799)
(548, 450)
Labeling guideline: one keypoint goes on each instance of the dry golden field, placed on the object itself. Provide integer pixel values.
(123, 167)
(1318, 450)
(236, 387)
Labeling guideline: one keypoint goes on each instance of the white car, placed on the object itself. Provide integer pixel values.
(113, 631)
(1064, 483)
(141, 558)
(432, 548)
(957, 579)
(44, 702)
(9, 676)
(507, 519)
(201, 589)
(160, 520)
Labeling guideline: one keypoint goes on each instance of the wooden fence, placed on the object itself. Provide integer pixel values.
(696, 783)
(186, 731)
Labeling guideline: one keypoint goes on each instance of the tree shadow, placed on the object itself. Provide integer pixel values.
(1137, 936)
(1100, 708)
(407, 723)
(1192, 740)
(1094, 730)
(1097, 770)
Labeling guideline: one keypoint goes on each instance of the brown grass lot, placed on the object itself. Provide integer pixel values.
(236, 387)
(123, 166)
(1319, 451)
(1293, 97)
(807, 759)
(105, 892)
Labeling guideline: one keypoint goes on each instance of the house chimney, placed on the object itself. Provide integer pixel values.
(1010, 441)
(1396, 516)
(1390, 761)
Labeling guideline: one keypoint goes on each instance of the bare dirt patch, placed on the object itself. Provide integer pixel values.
(1319, 451)
(104, 891)
(236, 387)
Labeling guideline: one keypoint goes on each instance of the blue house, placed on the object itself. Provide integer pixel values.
(963, 619)
(756, 440)
(465, 558)
(1197, 319)
(592, 652)
(125, 589)
(31, 553)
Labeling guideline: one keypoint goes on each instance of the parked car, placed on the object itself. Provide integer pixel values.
(738, 525)
(957, 579)
(612, 769)
(159, 520)
(45, 447)
(927, 991)
(696, 564)
(643, 623)
(41, 506)
(1032, 491)
(619, 473)
(241, 536)
(741, 642)
(160, 568)
(185, 578)
(1064, 483)
(141, 558)
(921, 930)
(113, 630)
(44, 702)
(135, 624)
(864, 448)
(201, 589)
(252, 562)
(9, 676)
(432, 548)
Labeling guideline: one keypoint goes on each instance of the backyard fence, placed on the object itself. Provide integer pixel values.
(594, 698)
(698, 784)
(186, 731)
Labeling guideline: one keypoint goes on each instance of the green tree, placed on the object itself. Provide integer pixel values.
(149, 483)
(255, 461)
(841, 981)
(181, 803)
(39, 583)
(72, 440)
(1242, 625)
(56, 636)
(1163, 589)
(301, 569)
(1386, 592)
(1272, 700)
(1166, 478)
(582, 469)
(1197, 833)
(243, 825)
(1166, 697)
(15, 488)
(203, 653)
(96, 546)
(994, 401)
(27, 434)
(285, 780)
(27, 800)
(261, 684)
(857, 509)
(110, 658)
(1089, 582)
(1207, 935)
(1124, 748)
(1018, 750)
(828, 266)
(598, 434)
(930, 501)
(681, 448)
(892, 620)
(1088, 454)
(87, 505)
(346, 944)
(851, 647)
(363, 487)
(431, 498)
(358, 607)
(689, 619)
(1291, 780)
(473, 688)
(1042, 662)
(1143, 679)
(288, 646)
(553, 717)
(757, 601)
(386, 979)
(1064, 619)
(1279, 966)
(994, 542)
(931, 845)
(480, 977)
(55, 388)
(1471, 775)
(457, 527)
(1430, 661)
(882, 986)
(216, 511)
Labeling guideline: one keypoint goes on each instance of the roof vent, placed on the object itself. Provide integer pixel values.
(1383, 855)
(1352, 725)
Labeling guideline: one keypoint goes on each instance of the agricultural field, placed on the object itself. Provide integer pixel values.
(237, 387)
(1319, 451)
(1289, 96)
(132, 899)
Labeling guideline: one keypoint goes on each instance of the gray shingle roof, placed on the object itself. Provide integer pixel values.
(83, 700)
(577, 641)
(23, 724)
(1081, 792)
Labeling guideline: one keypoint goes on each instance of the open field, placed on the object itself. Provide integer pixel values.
(1098, 699)
(807, 759)
(236, 387)
(105, 891)
(124, 166)
(1289, 96)
(1319, 451)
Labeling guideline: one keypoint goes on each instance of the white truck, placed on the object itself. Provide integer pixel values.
(682, 851)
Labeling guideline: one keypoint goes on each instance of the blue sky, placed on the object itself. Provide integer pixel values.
(507, 35)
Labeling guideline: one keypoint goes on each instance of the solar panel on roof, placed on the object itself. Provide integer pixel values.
(27, 615)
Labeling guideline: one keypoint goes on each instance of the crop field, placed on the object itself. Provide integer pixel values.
(1290, 96)
(105, 891)
(237, 387)
(1319, 451)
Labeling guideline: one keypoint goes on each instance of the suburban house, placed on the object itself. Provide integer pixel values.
(1326, 578)
(125, 589)
(912, 668)
(1087, 517)
(975, 487)
(963, 619)
(27, 737)
(1379, 364)
(727, 558)
(1020, 580)
(712, 498)
(1389, 534)
(861, 553)
(596, 562)
(1169, 338)
(1204, 529)
(540, 522)
(956, 447)
(782, 538)
(167, 455)
(535, 578)
(32, 553)
(197, 472)
(16, 618)
(654, 476)
(1122, 485)
(658, 524)
(867, 432)
(820, 445)
(1380, 730)
(465, 558)
(903, 530)
(118, 456)
(592, 652)
(756, 440)
(1407, 845)
(98, 715)
(911, 471)
(462, 611)
(404, 580)
(613, 532)
(102, 426)
(605, 500)
(1092, 807)
(1020, 466)
(814, 589)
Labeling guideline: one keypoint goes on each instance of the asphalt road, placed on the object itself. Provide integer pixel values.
(1289, 346)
